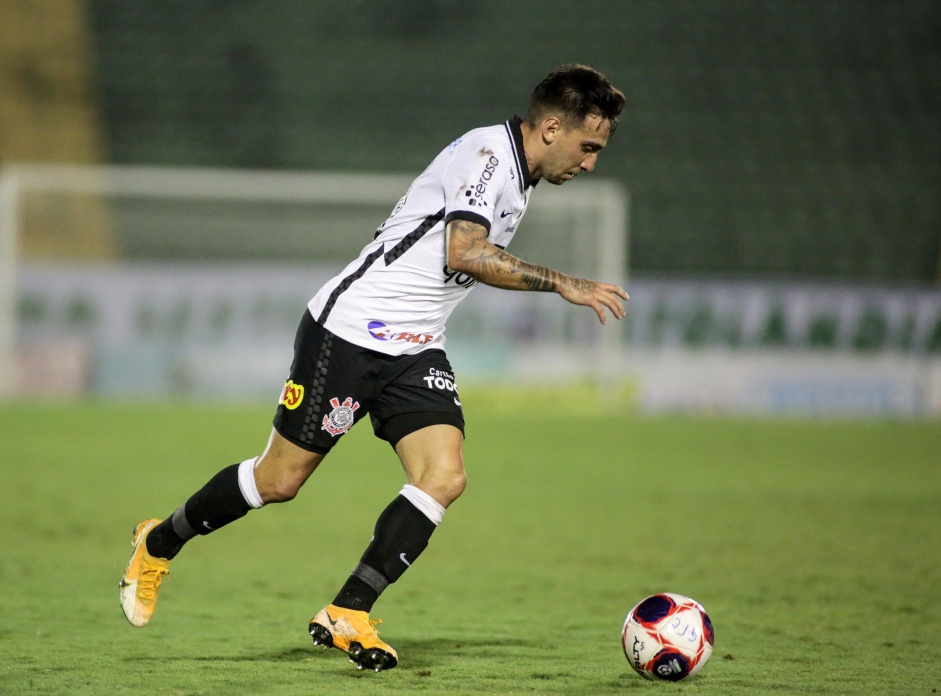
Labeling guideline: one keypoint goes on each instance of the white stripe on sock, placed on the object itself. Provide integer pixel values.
(430, 507)
(247, 483)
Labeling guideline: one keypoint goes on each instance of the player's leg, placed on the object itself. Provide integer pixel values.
(432, 458)
(433, 461)
(434, 464)
(419, 413)
(275, 476)
(297, 445)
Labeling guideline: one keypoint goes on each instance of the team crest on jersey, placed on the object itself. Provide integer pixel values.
(341, 418)
(292, 395)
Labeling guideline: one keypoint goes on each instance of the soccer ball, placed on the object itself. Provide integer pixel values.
(667, 636)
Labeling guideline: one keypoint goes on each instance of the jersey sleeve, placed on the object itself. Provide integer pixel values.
(474, 180)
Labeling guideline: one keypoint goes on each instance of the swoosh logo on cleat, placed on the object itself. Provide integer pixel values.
(405, 560)
(330, 619)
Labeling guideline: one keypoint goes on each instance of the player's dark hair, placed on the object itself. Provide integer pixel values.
(571, 93)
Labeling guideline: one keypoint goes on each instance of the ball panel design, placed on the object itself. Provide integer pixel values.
(654, 609)
(707, 630)
(640, 645)
(701, 661)
(667, 636)
(670, 665)
(683, 629)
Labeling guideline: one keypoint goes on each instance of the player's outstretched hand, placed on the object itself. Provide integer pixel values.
(595, 295)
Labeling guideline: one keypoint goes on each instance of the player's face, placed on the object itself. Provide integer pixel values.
(575, 150)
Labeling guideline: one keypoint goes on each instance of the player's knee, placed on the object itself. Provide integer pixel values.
(458, 483)
(282, 494)
(279, 488)
(282, 469)
(448, 486)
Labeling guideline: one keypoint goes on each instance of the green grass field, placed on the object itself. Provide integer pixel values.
(815, 547)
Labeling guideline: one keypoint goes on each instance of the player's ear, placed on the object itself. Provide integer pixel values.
(550, 129)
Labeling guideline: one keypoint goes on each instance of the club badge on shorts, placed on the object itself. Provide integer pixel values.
(340, 419)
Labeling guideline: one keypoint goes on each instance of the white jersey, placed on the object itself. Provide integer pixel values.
(396, 297)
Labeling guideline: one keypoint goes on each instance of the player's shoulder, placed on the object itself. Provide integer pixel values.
(484, 155)
(483, 140)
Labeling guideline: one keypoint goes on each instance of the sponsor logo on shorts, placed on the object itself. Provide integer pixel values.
(381, 332)
(341, 418)
(292, 395)
(442, 381)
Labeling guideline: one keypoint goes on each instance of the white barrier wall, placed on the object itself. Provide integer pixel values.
(787, 383)
(223, 330)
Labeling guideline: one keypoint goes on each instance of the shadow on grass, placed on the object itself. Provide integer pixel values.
(420, 653)
(443, 663)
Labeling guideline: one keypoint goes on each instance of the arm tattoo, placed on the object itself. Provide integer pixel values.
(471, 253)
(582, 285)
(539, 278)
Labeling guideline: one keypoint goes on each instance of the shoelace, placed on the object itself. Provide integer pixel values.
(149, 581)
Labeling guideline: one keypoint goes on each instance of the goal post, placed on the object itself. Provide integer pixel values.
(8, 223)
(108, 253)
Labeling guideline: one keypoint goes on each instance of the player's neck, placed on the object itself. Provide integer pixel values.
(532, 148)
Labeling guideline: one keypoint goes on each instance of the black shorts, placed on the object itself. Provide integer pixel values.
(334, 383)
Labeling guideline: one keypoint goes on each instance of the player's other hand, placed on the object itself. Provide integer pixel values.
(595, 295)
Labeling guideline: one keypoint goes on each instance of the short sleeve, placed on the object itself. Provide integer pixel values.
(473, 182)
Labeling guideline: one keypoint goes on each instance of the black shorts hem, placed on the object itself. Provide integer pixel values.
(394, 428)
(303, 445)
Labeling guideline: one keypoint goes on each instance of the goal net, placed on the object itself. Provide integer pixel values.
(143, 281)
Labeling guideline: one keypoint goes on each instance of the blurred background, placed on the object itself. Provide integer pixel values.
(179, 177)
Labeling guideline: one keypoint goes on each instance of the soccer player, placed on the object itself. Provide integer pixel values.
(372, 339)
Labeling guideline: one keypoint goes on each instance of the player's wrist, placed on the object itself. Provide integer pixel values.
(566, 283)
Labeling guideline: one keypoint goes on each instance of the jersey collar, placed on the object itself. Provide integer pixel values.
(515, 134)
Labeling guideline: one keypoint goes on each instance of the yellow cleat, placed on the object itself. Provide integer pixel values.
(142, 578)
(354, 633)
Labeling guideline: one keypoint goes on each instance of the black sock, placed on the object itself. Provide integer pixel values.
(402, 533)
(213, 506)
(356, 594)
(163, 541)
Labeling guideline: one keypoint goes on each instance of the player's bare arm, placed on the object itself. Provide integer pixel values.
(469, 252)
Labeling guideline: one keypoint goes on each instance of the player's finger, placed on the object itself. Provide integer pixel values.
(619, 291)
(617, 309)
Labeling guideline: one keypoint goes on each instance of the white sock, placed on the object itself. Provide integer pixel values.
(430, 507)
(247, 483)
